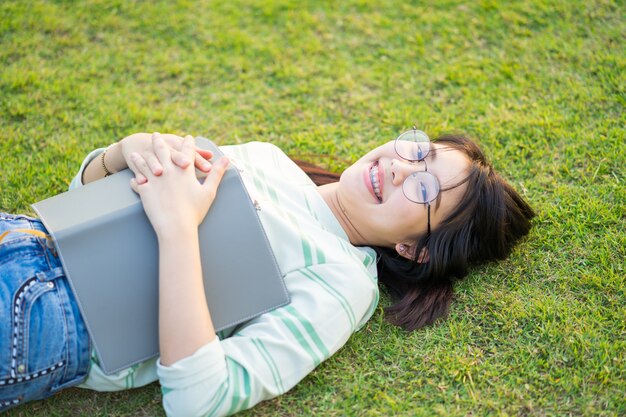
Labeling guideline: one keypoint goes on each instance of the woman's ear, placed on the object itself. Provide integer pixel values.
(408, 251)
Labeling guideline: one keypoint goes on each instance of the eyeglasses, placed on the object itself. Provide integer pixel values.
(420, 187)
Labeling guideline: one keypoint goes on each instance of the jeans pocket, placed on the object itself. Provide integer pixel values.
(36, 335)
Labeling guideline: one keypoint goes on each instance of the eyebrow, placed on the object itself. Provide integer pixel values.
(433, 152)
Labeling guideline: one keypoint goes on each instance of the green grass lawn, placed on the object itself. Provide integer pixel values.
(540, 84)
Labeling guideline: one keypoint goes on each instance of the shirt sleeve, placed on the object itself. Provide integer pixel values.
(77, 181)
(273, 352)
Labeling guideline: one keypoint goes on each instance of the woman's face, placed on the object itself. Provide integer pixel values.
(381, 213)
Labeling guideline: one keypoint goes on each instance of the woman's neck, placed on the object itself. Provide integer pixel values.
(331, 197)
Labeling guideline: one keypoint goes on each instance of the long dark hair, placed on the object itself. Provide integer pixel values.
(486, 224)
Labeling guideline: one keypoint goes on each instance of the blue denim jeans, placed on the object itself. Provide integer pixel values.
(44, 345)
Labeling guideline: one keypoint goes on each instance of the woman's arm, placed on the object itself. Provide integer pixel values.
(117, 157)
(176, 203)
(185, 323)
(271, 354)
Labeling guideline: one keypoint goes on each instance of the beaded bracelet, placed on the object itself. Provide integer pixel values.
(106, 171)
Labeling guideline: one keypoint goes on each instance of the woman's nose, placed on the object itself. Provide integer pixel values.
(400, 169)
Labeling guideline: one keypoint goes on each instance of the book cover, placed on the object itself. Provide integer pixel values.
(110, 254)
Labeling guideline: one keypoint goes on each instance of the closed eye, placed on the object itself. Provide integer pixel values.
(424, 192)
(420, 153)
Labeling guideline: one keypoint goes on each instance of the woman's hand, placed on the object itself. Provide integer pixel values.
(141, 143)
(174, 200)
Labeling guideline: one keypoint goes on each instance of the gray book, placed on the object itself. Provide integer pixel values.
(109, 251)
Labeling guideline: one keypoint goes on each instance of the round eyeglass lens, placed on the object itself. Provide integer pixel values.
(421, 187)
(413, 145)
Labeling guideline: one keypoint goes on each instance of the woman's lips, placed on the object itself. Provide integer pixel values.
(368, 182)
(374, 181)
(378, 177)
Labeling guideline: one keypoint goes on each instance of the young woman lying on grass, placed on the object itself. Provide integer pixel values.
(412, 214)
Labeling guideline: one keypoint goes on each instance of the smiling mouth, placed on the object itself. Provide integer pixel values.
(374, 178)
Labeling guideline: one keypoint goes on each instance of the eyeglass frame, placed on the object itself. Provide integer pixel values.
(423, 159)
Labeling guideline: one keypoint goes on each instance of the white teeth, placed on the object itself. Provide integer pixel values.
(375, 182)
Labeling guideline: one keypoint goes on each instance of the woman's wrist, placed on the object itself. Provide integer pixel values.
(113, 159)
(176, 232)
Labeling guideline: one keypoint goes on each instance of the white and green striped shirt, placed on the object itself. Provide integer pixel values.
(333, 289)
